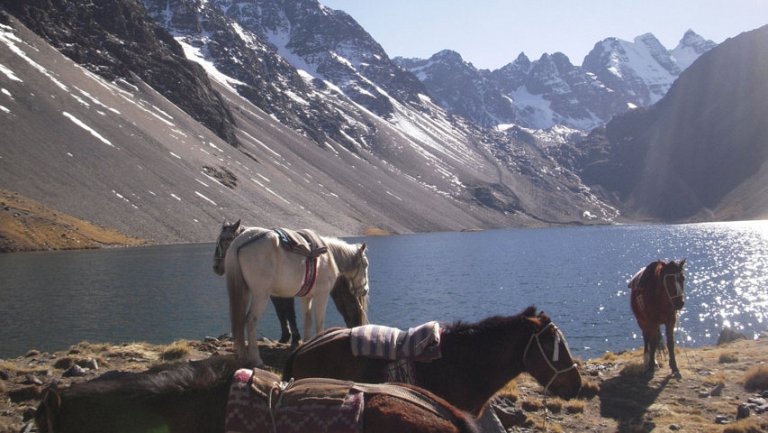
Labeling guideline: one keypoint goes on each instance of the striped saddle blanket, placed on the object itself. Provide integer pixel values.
(421, 343)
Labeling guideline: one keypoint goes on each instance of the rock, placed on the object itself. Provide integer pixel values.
(74, 371)
(675, 427)
(29, 414)
(728, 335)
(717, 390)
(507, 412)
(26, 393)
(742, 411)
(721, 419)
(31, 379)
(91, 363)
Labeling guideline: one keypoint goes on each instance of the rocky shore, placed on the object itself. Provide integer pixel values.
(722, 389)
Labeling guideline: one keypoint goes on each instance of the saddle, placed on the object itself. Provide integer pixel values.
(304, 242)
(259, 401)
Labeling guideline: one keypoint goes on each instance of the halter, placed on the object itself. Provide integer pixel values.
(555, 352)
(678, 293)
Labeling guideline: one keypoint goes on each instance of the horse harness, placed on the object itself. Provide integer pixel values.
(555, 352)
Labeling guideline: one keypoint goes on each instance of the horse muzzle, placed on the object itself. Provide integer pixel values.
(218, 269)
(679, 303)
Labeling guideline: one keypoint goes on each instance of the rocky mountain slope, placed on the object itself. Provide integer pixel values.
(100, 142)
(698, 154)
(162, 118)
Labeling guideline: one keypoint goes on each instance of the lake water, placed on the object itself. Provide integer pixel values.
(52, 300)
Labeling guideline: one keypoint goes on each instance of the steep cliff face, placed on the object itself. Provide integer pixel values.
(117, 39)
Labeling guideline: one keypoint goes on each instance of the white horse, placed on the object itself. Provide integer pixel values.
(257, 266)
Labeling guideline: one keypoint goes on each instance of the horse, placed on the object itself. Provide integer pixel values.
(212, 395)
(258, 265)
(475, 360)
(656, 296)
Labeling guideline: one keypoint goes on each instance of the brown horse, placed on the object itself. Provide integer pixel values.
(476, 360)
(656, 296)
(195, 397)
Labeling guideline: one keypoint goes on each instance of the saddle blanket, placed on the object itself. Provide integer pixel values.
(421, 343)
(308, 244)
(260, 402)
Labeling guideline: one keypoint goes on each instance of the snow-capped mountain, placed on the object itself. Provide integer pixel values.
(615, 76)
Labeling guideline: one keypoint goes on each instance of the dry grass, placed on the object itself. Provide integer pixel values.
(633, 370)
(373, 231)
(176, 350)
(727, 358)
(575, 406)
(26, 225)
(756, 377)
(747, 425)
(510, 391)
(531, 405)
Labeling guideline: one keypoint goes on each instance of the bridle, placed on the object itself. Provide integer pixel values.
(555, 352)
(221, 250)
(678, 287)
(358, 291)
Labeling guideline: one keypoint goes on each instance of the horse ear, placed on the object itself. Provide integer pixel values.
(682, 262)
(237, 225)
(362, 248)
(48, 409)
(530, 311)
(544, 318)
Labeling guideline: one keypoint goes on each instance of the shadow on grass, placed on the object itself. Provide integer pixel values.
(627, 397)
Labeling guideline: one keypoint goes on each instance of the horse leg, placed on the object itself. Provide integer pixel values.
(258, 304)
(306, 312)
(291, 316)
(238, 304)
(319, 305)
(652, 339)
(283, 309)
(670, 328)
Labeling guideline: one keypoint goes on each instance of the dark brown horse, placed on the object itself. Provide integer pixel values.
(195, 397)
(476, 360)
(656, 296)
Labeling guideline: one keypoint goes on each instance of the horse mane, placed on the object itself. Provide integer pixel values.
(343, 253)
(490, 325)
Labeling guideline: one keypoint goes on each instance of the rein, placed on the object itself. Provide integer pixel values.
(555, 352)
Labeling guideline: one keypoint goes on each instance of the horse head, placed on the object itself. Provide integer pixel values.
(673, 279)
(548, 359)
(359, 280)
(228, 233)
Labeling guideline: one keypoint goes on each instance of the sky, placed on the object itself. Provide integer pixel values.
(492, 33)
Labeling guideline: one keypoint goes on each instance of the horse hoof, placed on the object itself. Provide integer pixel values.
(284, 339)
(676, 375)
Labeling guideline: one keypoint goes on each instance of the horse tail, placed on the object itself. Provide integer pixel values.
(238, 292)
